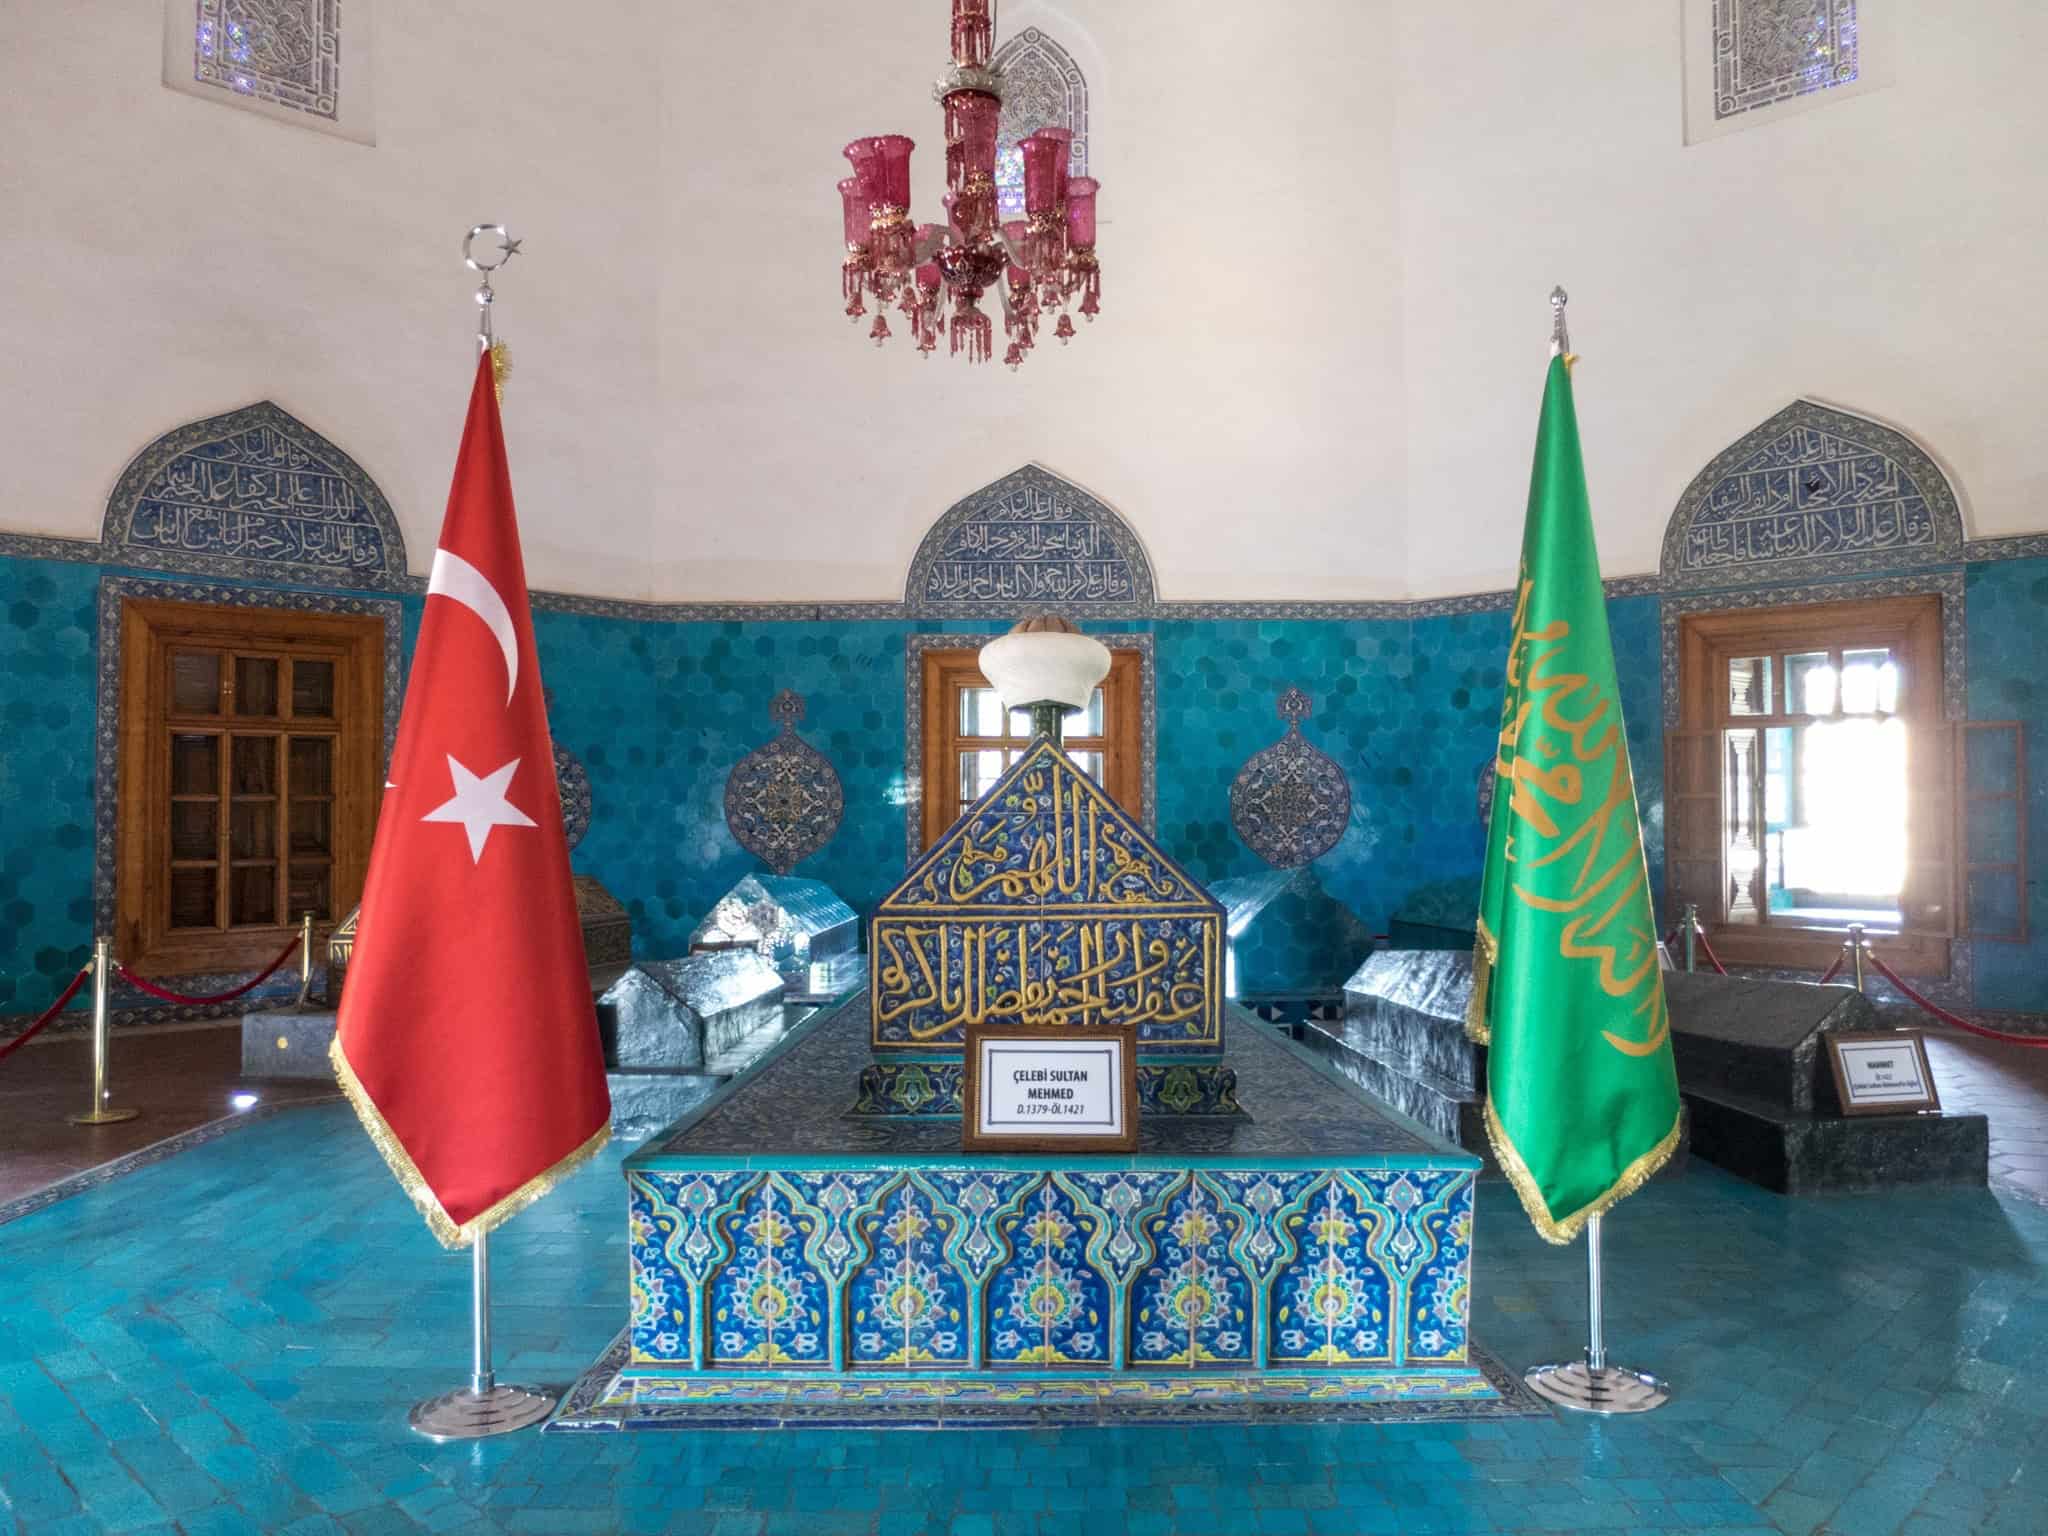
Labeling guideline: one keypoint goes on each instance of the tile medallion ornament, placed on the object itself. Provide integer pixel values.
(1047, 905)
(572, 783)
(1330, 1304)
(768, 1301)
(1192, 1301)
(907, 1306)
(285, 52)
(254, 493)
(783, 801)
(1812, 492)
(1047, 1304)
(1772, 51)
(1028, 543)
(1291, 802)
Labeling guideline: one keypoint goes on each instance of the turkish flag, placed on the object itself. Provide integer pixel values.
(467, 1039)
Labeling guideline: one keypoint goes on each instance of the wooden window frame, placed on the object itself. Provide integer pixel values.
(1911, 627)
(947, 673)
(150, 630)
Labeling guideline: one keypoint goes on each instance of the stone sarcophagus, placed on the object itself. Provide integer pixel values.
(793, 924)
(1288, 938)
(691, 1013)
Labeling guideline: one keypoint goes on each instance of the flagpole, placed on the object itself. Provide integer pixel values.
(1593, 1386)
(483, 1408)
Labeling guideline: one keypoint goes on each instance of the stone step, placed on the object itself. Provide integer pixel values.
(1804, 1154)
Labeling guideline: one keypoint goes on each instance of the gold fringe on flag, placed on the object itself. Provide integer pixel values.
(1563, 1229)
(1485, 952)
(439, 1222)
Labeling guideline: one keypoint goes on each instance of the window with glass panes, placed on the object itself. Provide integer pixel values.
(248, 779)
(1810, 784)
(970, 738)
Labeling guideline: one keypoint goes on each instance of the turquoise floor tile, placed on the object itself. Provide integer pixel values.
(272, 1366)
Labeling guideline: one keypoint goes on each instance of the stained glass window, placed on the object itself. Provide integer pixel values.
(1042, 88)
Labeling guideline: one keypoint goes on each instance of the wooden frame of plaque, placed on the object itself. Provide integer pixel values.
(1120, 1042)
(1902, 1039)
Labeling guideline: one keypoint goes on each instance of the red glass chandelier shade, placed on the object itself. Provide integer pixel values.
(1035, 265)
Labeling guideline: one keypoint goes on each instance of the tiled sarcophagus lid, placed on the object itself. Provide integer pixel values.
(792, 924)
(1046, 904)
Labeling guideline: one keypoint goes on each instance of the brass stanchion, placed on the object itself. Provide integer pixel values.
(1855, 946)
(100, 1114)
(305, 960)
(1692, 930)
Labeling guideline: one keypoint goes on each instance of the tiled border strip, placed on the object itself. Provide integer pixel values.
(583, 1409)
(26, 546)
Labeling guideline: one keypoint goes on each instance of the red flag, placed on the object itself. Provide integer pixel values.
(467, 1041)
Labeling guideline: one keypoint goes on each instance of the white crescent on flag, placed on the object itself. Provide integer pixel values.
(454, 577)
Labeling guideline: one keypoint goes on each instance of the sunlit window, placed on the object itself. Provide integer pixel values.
(1811, 784)
(969, 740)
(1818, 798)
(992, 739)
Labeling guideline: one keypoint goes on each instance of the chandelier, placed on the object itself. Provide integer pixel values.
(937, 274)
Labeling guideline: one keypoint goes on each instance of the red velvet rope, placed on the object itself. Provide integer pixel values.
(1946, 1017)
(1712, 959)
(1671, 942)
(48, 1013)
(142, 985)
(1829, 974)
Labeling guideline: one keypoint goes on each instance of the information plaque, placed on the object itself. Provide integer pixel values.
(1040, 1089)
(1882, 1074)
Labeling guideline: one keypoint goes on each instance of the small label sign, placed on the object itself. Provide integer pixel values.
(1879, 1073)
(1074, 1089)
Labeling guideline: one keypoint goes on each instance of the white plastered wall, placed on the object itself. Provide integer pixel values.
(1328, 231)
(1882, 253)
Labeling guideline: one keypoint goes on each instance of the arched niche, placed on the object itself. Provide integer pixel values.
(1029, 542)
(254, 493)
(1814, 491)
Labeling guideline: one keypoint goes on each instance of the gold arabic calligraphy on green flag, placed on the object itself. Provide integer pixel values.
(1582, 1096)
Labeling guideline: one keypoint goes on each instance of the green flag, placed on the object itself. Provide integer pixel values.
(1582, 1097)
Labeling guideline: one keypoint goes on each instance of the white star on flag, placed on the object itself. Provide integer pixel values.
(480, 805)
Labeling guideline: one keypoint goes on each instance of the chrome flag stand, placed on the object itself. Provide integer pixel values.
(1593, 1385)
(483, 1407)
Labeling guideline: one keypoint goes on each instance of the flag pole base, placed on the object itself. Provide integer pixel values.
(1606, 1390)
(469, 1415)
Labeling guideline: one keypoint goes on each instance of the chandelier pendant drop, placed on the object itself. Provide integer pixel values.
(936, 275)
